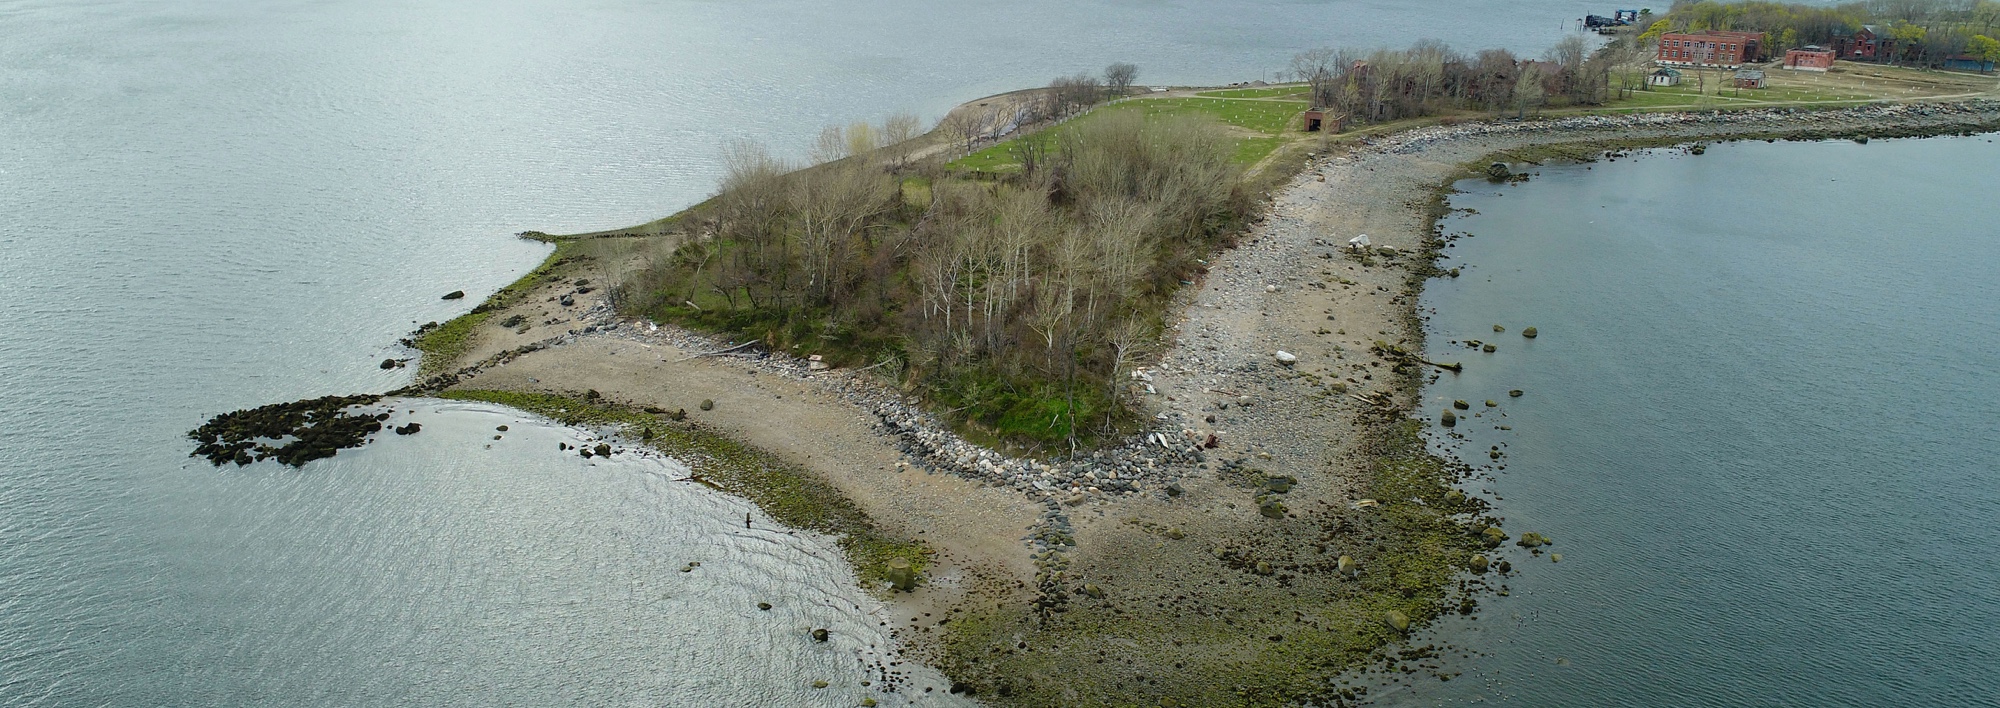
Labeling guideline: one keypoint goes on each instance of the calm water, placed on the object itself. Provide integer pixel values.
(1759, 422)
(211, 205)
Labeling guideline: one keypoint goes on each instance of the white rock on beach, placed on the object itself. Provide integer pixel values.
(1285, 357)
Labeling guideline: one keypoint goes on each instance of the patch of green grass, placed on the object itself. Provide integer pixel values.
(1297, 91)
(443, 346)
(790, 494)
(1269, 117)
(1015, 413)
(1250, 151)
(1272, 118)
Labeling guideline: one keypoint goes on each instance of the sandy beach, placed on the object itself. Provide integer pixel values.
(1151, 572)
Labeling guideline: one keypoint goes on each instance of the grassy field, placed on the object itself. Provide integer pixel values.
(1264, 124)
(1295, 92)
(1848, 83)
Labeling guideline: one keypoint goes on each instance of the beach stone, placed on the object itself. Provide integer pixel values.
(1499, 171)
(1095, 592)
(1479, 564)
(1491, 404)
(1271, 508)
(819, 635)
(567, 301)
(603, 450)
(765, 606)
(501, 428)
(707, 404)
(1461, 405)
(1454, 496)
(1530, 333)
(1489, 348)
(454, 295)
(1494, 536)
(1555, 557)
(1287, 358)
(1506, 567)
(388, 363)
(1516, 393)
(1347, 566)
(1449, 420)
(1396, 620)
(1498, 328)
(410, 429)
(820, 683)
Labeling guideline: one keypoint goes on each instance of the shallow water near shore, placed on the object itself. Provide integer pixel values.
(614, 581)
(1758, 422)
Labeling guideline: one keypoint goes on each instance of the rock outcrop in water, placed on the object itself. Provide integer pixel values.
(291, 433)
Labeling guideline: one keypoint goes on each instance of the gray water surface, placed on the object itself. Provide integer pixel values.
(1759, 421)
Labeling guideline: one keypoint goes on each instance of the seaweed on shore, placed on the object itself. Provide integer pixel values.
(291, 433)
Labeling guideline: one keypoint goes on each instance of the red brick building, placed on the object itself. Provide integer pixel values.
(1710, 48)
(1809, 58)
(1870, 43)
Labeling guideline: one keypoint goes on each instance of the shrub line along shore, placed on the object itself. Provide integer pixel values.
(1277, 528)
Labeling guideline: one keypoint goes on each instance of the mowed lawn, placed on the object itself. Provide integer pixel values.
(1270, 118)
(1296, 92)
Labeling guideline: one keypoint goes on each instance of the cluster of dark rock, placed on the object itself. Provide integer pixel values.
(291, 433)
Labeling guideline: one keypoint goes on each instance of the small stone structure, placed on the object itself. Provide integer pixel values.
(1809, 58)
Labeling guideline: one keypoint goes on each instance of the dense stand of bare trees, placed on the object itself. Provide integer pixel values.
(1430, 78)
(1017, 302)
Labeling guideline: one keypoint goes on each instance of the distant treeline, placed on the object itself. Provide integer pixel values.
(1012, 304)
(1927, 32)
(1431, 78)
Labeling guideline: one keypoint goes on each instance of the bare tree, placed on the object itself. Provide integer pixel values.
(963, 127)
(896, 133)
(1073, 94)
(1118, 78)
(1317, 68)
(830, 145)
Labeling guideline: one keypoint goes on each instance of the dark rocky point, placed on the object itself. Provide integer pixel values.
(291, 433)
